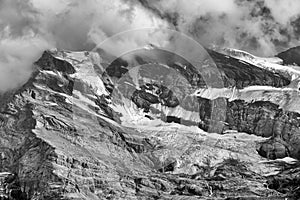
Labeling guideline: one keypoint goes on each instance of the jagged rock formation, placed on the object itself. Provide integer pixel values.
(264, 119)
(144, 98)
(62, 137)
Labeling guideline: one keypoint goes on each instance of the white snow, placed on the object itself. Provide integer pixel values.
(131, 115)
(86, 73)
(48, 72)
(287, 160)
(233, 93)
(83, 61)
(270, 63)
(82, 99)
(5, 173)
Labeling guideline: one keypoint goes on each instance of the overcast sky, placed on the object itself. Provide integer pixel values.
(27, 27)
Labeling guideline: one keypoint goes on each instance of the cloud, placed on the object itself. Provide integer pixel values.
(16, 58)
(80, 24)
(31, 26)
(283, 11)
(20, 45)
(262, 27)
(18, 16)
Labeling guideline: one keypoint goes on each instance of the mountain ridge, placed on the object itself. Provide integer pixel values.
(64, 139)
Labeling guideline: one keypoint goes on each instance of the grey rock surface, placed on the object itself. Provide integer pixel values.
(61, 139)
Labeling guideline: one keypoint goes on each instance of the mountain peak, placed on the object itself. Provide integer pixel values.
(49, 62)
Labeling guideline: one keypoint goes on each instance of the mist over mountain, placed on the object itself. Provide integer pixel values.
(259, 27)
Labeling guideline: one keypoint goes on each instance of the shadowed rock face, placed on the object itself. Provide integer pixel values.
(290, 56)
(234, 72)
(23, 154)
(241, 74)
(61, 139)
(119, 67)
(287, 181)
(264, 119)
(260, 118)
(144, 98)
(48, 62)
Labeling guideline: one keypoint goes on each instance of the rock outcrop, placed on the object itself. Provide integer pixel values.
(264, 119)
(240, 74)
(290, 56)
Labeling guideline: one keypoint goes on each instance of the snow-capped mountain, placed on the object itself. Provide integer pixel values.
(149, 127)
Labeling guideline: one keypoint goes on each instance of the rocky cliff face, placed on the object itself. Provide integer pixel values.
(63, 136)
(242, 74)
(264, 119)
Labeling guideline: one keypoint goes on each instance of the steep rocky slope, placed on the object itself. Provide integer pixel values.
(291, 56)
(68, 134)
